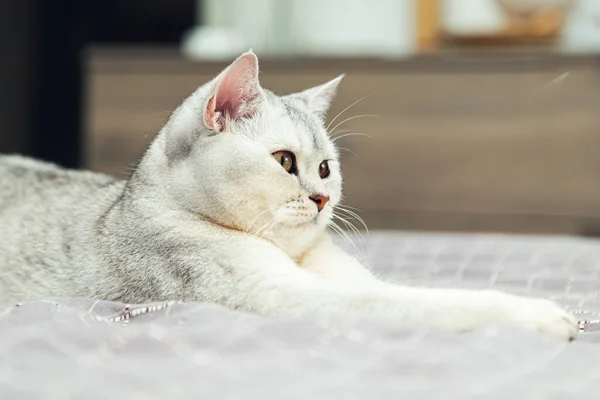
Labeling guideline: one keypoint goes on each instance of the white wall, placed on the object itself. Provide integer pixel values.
(349, 27)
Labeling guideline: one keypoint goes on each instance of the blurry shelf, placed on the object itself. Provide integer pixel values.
(466, 141)
(152, 59)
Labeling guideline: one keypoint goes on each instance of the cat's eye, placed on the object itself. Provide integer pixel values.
(324, 169)
(287, 160)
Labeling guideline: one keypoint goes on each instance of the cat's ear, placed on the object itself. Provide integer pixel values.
(236, 93)
(318, 99)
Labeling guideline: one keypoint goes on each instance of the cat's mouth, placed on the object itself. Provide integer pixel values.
(314, 220)
(301, 216)
(303, 223)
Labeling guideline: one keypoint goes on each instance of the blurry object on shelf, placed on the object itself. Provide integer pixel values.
(527, 8)
(428, 25)
(358, 28)
(536, 18)
(226, 28)
(581, 33)
(213, 43)
(504, 21)
(467, 18)
(305, 27)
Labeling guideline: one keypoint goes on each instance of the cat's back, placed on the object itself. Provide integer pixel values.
(25, 182)
(47, 215)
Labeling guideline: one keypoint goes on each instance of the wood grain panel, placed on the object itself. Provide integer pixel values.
(510, 148)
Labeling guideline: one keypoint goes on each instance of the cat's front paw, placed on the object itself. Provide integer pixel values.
(545, 316)
(540, 315)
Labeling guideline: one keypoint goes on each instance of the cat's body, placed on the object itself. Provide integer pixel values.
(47, 216)
(228, 205)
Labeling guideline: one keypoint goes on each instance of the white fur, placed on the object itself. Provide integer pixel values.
(210, 215)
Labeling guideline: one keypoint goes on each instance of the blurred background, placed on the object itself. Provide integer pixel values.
(486, 112)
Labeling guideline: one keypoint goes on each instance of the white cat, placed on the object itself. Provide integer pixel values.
(229, 205)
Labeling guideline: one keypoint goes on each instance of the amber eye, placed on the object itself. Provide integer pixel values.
(324, 169)
(287, 160)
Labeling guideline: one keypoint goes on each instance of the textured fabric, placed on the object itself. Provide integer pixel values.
(80, 348)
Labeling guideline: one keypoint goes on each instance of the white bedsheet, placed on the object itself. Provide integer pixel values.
(83, 348)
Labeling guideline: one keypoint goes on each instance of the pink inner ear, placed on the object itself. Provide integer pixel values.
(212, 118)
(236, 95)
(229, 100)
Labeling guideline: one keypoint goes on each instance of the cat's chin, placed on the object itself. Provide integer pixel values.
(311, 223)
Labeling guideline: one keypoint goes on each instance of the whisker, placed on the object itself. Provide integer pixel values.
(340, 131)
(346, 109)
(255, 233)
(348, 150)
(351, 208)
(343, 234)
(259, 215)
(351, 118)
(351, 228)
(354, 215)
(354, 230)
(349, 225)
(267, 227)
(335, 139)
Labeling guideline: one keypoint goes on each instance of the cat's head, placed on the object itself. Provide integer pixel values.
(245, 158)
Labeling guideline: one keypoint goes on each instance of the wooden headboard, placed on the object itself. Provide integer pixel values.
(502, 142)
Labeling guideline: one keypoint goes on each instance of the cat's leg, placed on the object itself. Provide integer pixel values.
(328, 261)
(454, 309)
(464, 310)
(253, 275)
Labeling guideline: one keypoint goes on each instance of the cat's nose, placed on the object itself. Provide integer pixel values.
(320, 201)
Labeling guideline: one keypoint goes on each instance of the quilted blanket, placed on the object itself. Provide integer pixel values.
(88, 349)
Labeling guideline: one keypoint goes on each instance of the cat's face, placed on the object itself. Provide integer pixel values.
(246, 159)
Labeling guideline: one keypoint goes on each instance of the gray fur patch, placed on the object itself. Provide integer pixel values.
(301, 119)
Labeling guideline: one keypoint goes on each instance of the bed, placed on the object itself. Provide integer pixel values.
(86, 348)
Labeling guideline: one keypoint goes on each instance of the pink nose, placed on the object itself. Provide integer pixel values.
(320, 201)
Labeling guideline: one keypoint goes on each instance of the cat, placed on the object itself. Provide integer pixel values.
(229, 205)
